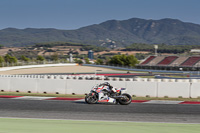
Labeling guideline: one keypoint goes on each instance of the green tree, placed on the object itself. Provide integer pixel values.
(1, 59)
(99, 62)
(124, 60)
(7, 58)
(87, 61)
(24, 58)
(40, 58)
(78, 61)
(10, 59)
(131, 61)
(13, 59)
(1, 46)
(116, 60)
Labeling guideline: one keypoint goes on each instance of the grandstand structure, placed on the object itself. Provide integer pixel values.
(175, 62)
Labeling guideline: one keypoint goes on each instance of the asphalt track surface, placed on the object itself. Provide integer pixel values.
(137, 112)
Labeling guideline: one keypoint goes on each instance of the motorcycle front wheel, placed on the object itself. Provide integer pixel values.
(126, 100)
(91, 99)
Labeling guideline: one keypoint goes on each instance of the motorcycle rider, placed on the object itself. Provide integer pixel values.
(110, 88)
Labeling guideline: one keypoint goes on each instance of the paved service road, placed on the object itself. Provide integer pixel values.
(139, 112)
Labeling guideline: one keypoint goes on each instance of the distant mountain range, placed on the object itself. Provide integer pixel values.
(121, 33)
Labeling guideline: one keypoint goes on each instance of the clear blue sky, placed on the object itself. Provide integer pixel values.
(73, 14)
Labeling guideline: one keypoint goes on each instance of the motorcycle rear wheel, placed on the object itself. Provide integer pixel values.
(90, 99)
(125, 101)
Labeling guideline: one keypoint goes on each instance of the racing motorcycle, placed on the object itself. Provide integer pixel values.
(101, 93)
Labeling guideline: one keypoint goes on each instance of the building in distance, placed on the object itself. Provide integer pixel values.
(91, 54)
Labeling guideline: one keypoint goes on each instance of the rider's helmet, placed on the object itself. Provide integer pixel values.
(106, 83)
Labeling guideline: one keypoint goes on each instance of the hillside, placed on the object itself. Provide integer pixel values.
(126, 32)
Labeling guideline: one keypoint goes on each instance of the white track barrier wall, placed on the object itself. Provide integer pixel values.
(142, 88)
(52, 86)
(23, 85)
(173, 89)
(62, 84)
(5, 83)
(195, 90)
(79, 86)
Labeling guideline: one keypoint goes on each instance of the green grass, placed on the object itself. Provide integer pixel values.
(146, 76)
(181, 76)
(14, 125)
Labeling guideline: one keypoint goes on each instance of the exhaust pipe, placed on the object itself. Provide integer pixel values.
(118, 97)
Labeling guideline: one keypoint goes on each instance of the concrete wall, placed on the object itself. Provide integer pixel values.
(63, 84)
(173, 89)
(142, 88)
(5, 84)
(23, 85)
(195, 90)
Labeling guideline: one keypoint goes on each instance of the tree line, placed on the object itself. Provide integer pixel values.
(119, 60)
(84, 47)
(53, 44)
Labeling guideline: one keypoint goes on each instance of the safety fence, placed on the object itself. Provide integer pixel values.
(82, 84)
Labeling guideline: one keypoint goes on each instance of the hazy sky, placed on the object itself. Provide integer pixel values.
(73, 14)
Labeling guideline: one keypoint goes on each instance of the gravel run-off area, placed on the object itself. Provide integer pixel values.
(62, 69)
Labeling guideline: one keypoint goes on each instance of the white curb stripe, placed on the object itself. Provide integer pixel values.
(80, 100)
(33, 98)
(163, 102)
